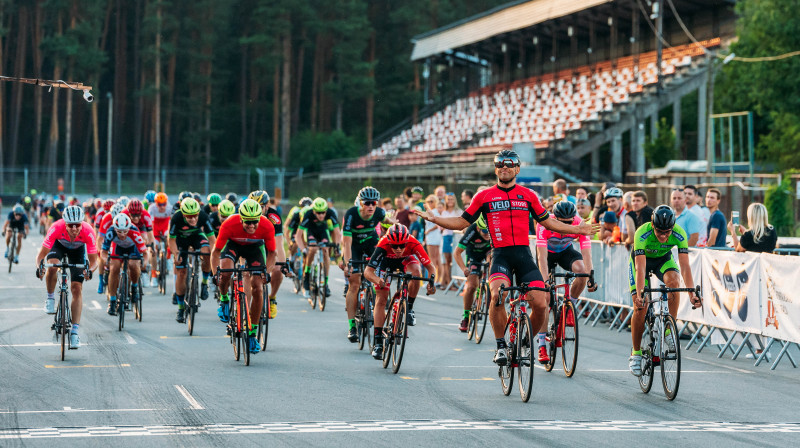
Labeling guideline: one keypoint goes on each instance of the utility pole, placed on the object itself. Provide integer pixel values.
(108, 144)
(658, 12)
(158, 98)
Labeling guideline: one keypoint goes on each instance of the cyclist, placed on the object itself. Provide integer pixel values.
(216, 218)
(74, 238)
(234, 199)
(213, 203)
(396, 251)
(149, 198)
(293, 221)
(189, 227)
(17, 219)
(478, 247)
(102, 230)
(124, 238)
(250, 236)
(508, 208)
(652, 253)
(313, 229)
(144, 223)
(161, 214)
(98, 218)
(276, 273)
(359, 239)
(177, 206)
(556, 249)
(55, 212)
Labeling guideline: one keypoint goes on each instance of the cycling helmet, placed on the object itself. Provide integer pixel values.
(98, 203)
(564, 210)
(226, 208)
(397, 234)
(214, 199)
(33, 192)
(482, 223)
(197, 198)
(150, 196)
(161, 198)
(305, 202)
(184, 195)
(135, 207)
(116, 209)
(250, 210)
(319, 205)
(613, 193)
(108, 204)
(124, 200)
(73, 214)
(190, 207)
(27, 199)
(369, 194)
(60, 206)
(18, 209)
(507, 154)
(259, 196)
(232, 197)
(122, 222)
(663, 217)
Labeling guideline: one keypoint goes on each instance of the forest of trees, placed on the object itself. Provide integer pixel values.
(211, 83)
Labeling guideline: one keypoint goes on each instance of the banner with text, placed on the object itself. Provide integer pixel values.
(781, 308)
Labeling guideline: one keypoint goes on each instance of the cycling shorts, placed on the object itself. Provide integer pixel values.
(474, 263)
(74, 256)
(196, 241)
(132, 252)
(317, 234)
(658, 266)
(255, 255)
(515, 262)
(358, 251)
(565, 258)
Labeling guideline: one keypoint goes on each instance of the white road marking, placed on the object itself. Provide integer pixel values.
(96, 304)
(36, 308)
(195, 404)
(716, 364)
(628, 371)
(443, 324)
(14, 286)
(39, 344)
(128, 337)
(69, 409)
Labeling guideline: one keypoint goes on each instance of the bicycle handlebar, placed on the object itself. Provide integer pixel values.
(64, 264)
(405, 276)
(240, 269)
(663, 289)
(524, 288)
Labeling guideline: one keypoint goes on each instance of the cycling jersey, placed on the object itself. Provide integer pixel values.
(233, 231)
(384, 255)
(160, 220)
(18, 224)
(54, 213)
(362, 230)
(58, 234)
(274, 219)
(318, 229)
(297, 217)
(105, 224)
(646, 243)
(475, 243)
(557, 242)
(99, 217)
(133, 240)
(145, 223)
(215, 222)
(178, 227)
(507, 212)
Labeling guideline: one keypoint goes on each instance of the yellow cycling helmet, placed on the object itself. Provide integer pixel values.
(190, 206)
(226, 208)
(319, 205)
(250, 210)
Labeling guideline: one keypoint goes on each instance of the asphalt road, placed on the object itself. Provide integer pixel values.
(154, 385)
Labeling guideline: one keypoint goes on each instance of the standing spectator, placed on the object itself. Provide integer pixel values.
(687, 220)
(584, 208)
(694, 202)
(761, 237)
(581, 193)
(613, 202)
(642, 212)
(440, 192)
(332, 208)
(466, 198)
(407, 194)
(402, 211)
(433, 233)
(416, 197)
(560, 187)
(626, 225)
(717, 232)
(416, 228)
(450, 210)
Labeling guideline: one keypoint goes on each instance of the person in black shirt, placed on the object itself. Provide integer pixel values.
(761, 237)
(17, 219)
(478, 245)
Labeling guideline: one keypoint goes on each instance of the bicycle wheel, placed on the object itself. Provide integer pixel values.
(297, 267)
(507, 371)
(360, 318)
(12, 249)
(137, 304)
(321, 287)
(244, 329)
(472, 320)
(388, 339)
(233, 321)
(483, 316)
(553, 333)
(62, 321)
(646, 380)
(369, 320)
(569, 339)
(525, 344)
(122, 297)
(263, 323)
(670, 360)
(400, 331)
(162, 272)
(190, 305)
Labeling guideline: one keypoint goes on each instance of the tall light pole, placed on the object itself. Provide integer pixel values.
(108, 143)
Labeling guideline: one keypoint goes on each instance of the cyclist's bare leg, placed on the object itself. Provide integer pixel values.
(206, 259)
(538, 301)
(469, 291)
(673, 280)
(77, 301)
(51, 276)
(8, 237)
(379, 313)
(497, 314)
(225, 277)
(256, 298)
(180, 281)
(19, 242)
(637, 324)
(134, 271)
(113, 275)
(352, 295)
(326, 261)
(312, 252)
(579, 283)
(416, 270)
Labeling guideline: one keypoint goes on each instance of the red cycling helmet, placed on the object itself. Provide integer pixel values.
(135, 207)
(108, 204)
(397, 234)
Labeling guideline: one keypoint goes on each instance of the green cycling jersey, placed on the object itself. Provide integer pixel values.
(646, 243)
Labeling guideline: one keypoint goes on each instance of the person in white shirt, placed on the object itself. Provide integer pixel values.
(694, 204)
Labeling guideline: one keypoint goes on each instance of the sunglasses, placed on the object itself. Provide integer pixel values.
(191, 216)
(368, 203)
(508, 163)
(74, 226)
(136, 216)
(662, 232)
(320, 213)
(250, 223)
(398, 246)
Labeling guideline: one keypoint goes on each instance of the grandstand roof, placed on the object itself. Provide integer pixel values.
(502, 19)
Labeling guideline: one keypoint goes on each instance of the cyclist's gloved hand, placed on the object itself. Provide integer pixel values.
(40, 271)
(592, 284)
(285, 270)
(87, 274)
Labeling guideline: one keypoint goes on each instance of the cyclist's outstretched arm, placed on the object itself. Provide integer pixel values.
(558, 226)
(587, 258)
(347, 240)
(300, 239)
(452, 223)
(370, 275)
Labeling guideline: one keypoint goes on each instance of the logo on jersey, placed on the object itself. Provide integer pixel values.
(274, 218)
(519, 196)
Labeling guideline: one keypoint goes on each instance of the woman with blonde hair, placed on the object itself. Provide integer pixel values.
(761, 237)
(433, 233)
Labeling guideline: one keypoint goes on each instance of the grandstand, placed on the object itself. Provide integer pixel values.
(495, 87)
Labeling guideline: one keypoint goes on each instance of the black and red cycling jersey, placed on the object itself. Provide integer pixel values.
(507, 212)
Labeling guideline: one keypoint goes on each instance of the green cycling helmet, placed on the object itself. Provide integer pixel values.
(249, 210)
(214, 199)
(226, 208)
(190, 206)
(482, 223)
(319, 205)
(27, 199)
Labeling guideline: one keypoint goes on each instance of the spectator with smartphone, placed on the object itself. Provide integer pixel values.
(761, 237)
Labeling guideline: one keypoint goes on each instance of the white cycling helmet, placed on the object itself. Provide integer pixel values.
(73, 214)
(123, 200)
(613, 193)
(122, 222)
(116, 209)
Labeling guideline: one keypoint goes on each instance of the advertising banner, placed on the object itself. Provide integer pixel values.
(731, 290)
(685, 311)
(780, 305)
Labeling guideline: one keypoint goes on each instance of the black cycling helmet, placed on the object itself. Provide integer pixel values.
(232, 197)
(663, 217)
(506, 155)
(260, 196)
(184, 195)
(197, 198)
(564, 210)
(369, 194)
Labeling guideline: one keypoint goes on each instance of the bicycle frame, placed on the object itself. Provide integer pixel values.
(62, 323)
(240, 327)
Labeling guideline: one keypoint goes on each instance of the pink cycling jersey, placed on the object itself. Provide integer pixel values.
(557, 242)
(507, 212)
(58, 232)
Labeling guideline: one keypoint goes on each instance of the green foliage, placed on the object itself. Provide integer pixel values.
(662, 149)
(309, 149)
(778, 201)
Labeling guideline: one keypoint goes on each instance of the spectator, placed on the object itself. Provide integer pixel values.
(416, 197)
(717, 232)
(440, 192)
(626, 225)
(560, 187)
(642, 212)
(450, 210)
(407, 194)
(610, 234)
(402, 211)
(386, 204)
(694, 203)
(687, 220)
(613, 202)
(584, 208)
(761, 237)
(433, 233)
(600, 201)
(416, 228)
(466, 198)
(581, 193)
